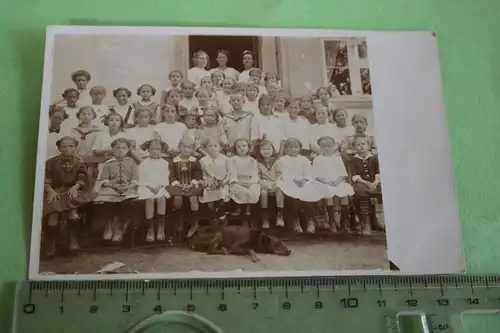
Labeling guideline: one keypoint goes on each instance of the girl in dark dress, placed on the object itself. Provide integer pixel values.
(185, 177)
(66, 189)
(365, 173)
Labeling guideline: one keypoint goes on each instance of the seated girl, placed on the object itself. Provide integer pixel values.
(266, 157)
(331, 175)
(185, 182)
(66, 189)
(116, 187)
(298, 183)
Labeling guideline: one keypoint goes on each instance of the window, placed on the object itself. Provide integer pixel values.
(346, 66)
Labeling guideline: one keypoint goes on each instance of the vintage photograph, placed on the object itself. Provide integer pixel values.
(170, 153)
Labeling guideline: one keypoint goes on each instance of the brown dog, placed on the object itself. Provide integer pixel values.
(238, 240)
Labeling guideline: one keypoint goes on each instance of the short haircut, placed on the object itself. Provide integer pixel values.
(68, 91)
(83, 108)
(323, 138)
(97, 89)
(66, 138)
(117, 90)
(175, 71)
(120, 140)
(290, 141)
(53, 109)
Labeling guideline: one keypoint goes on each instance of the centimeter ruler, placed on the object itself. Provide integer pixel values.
(356, 304)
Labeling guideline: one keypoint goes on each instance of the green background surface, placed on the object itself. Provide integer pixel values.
(469, 42)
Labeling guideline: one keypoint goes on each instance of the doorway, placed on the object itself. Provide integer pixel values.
(236, 45)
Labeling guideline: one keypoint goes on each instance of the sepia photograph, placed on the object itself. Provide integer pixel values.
(182, 152)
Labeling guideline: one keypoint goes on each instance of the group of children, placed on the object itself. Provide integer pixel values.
(215, 141)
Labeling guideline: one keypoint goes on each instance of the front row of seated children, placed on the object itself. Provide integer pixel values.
(215, 179)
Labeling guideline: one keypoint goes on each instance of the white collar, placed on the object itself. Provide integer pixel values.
(365, 158)
(143, 103)
(178, 159)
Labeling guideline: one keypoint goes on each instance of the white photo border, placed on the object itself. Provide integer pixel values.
(420, 206)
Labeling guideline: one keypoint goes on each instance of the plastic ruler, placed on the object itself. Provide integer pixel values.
(356, 304)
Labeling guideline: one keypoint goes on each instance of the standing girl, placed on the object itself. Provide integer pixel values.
(331, 175)
(255, 75)
(189, 100)
(217, 173)
(97, 94)
(238, 122)
(170, 130)
(252, 103)
(57, 116)
(307, 110)
(297, 181)
(101, 146)
(271, 78)
(142, 132)
(211, 128)
(123, 108)
(146, 92)
(265, 125)
(279, 107)
(70, 95)
(244, 188)
(66, 189)
(200, 62)
(342, 129)
(185, 178)
(191, 133)
(172, 97)
(217, 77)
(266, 157)
(297, 127)
(175, 78)
(225, 95)
(116, 187)
(207, 84)
(81, 78)
(153, 181)
(360, 123)
(85, 132)
(321, 128)
(203, 102)
(324, 95)
(222, 59)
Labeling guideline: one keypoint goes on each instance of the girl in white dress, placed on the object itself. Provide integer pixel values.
(97, 94)
(217, 171)
(70, 95)
(175, 78)
(102, 142)
(252, 102)
(342, 127)
(222, 59)
(298, 183)
(85, 133)
(170, 130)
(189, 100)
(200, 63)
(142, 132)
(331, 175)
(123, 107)
(248, 65)
(279, 108)
(217, 77)
(244, 188)
(225, 95)
(265, 125)
(146, 93)
(153, 182)
(255, 76)
(297, 127)
(266, 158)
(172, 97)
(207, 84)
(321, 128)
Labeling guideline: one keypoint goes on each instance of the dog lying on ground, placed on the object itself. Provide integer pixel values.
(238, 240)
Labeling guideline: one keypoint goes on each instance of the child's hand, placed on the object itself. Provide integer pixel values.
(73, 191)
(153, 190)
(298, 182)
(52, 196)
(372, 186)
(119, 189)
(246, 185)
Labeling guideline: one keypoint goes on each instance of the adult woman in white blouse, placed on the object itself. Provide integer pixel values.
(248, 64)
(222, 59)
(200, 63)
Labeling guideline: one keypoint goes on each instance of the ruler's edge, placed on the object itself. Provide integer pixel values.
(245, 282)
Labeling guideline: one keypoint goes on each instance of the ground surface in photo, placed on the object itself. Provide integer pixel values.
(362, 253)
